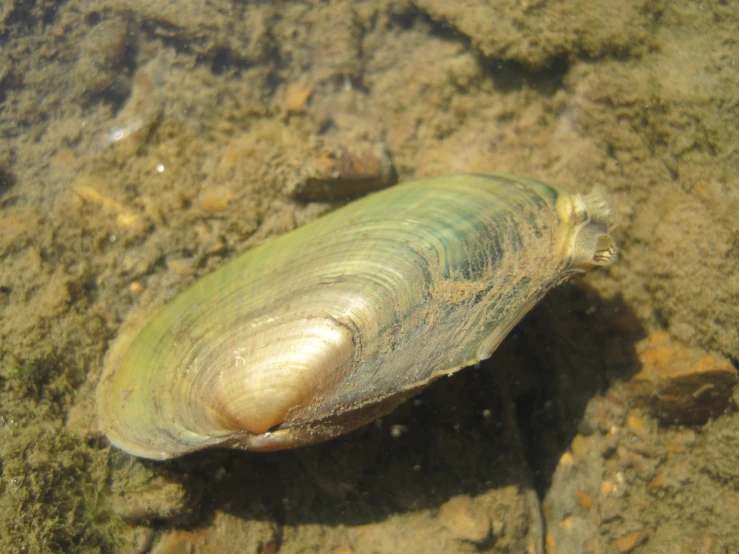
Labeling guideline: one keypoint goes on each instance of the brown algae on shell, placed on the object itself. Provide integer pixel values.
(328, 327)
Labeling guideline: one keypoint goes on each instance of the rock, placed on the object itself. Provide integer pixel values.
(343, 171)
(226, 533)
(133, 125)
(503, 29)
(103, 57)
(159, 498)
(629, 542)
(296, 97)
(463, 520)
(682, 385)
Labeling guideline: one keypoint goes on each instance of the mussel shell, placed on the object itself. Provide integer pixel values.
(325, 328)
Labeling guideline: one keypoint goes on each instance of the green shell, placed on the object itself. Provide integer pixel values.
(327, 327)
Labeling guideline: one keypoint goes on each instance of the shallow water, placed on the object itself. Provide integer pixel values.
(145, 144)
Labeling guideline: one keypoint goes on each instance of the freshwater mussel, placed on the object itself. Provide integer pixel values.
(328, 327)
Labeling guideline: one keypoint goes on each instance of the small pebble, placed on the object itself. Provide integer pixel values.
(136, 287)
(584, 500)
(343, 171)
(629, 542)
(158, 499)
(296, 97)
(681, 385)
(396, 431)
(463, 520)
(566, 459)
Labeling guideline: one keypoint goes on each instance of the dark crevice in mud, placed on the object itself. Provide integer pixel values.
(113, 98)
(542, 434)
(33, 375)
(10, 201)
(7, 180)
(509, 75)
(540, 428)
(560, 342)
(25, 16)
(93, 18)
(10, 83)
(119, 93)
(50, 15)
(405, 20)
(661, 318)
(221, 60)
(435, 27)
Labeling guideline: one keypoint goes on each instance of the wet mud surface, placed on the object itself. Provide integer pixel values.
(144, 144)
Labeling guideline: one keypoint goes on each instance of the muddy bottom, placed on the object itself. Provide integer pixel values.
(145, 144)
